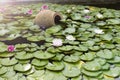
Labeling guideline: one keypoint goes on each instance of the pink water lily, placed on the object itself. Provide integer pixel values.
(44, 7)
(11, 48)
(2, 10)
(29, 12)
(87, 17)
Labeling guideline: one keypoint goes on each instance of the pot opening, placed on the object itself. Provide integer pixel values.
(57, 19)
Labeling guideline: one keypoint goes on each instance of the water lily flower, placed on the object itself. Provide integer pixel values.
(2, 10)
(57, 42)
(86, 11)
(70, 37)
(73, 8)
(87, 17)
(98, 31)
(99, 15)
(29, 12)
(68, 11)
(44, 7)
(11, 48)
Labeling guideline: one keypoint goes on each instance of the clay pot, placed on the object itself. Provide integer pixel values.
(47, 18)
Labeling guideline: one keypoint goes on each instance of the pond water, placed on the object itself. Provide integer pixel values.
(85, 45)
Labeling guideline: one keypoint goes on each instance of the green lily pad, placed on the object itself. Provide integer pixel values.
(83, 48)
(24, 61)
(107, 54)
(23, 55)
(3, 47)
(43, 55)
(66, 48)
(6, 54)
(107, 37)
(69, 30)
(91, 74)
(108, 46)
(71, 58)
(35, 28)
(38, 62)
(53, 50)
(88, 56)
(53, 29)
(22, 68)
(55, 66)
(76, 16)
(39, 67)
(8, 61)
(35, 38)
(77, 78)
(94, 48)
(113, 72)
(106, 66)
(92, 66)
(21, 46)
(101, 23)
(3, 70)
(9, 74)
(58, 57)
(37, 73)
(101, 61)
(116, 59)
(72, 72)
(113, 21)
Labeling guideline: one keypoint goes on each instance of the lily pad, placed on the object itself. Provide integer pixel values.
(53, 29)
(35, 38)
(113, 21)
(107, 37)
(113, 72)
(43, 55)
(71, 58)
(66, 48)
(22, 68)
(6, 54)
(76, 16)
(88, 56)
(107, 54)
(72, 72)
(91, 74)
(55, 66)
(23, 55)
(69, 30)
(116, 59)
(92, 66)
(38, 62)
(8, 61)
(58, 57)
(3, 70)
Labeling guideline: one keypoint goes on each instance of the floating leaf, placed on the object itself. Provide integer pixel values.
(107, 54)
(92, 66)
(43, 55)
(8, 61)
(91, 74)
(23, 55)
(38, 62)
(22, 68)
(55, 66)
(71, 58)
(113, 72)
(72, 72)
(88, 56)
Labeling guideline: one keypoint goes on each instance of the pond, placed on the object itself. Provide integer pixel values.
(85, 45)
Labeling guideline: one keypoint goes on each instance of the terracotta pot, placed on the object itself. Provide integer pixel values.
(47, 18)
